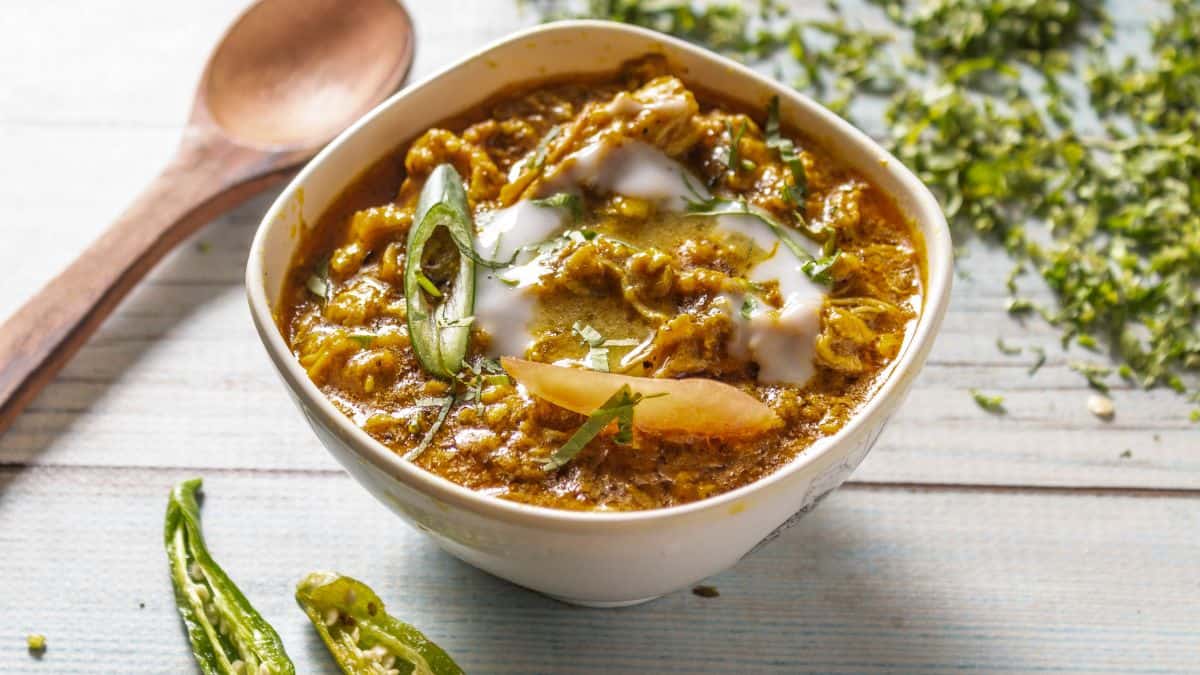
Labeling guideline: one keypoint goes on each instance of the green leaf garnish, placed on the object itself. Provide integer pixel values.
(992, 404)
(1039, 362)
(543, 146)
(819, 269)
(797, 192)
(446, 403)
(1093, 373)
(698, 205)
(588, 334)
(734, 160)
(567, 201)
(1006, 348)
(748, 307)
(597, 355)
(364, 340)
(618, 407)
(318, 282)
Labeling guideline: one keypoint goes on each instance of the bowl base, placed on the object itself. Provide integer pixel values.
(601, 605)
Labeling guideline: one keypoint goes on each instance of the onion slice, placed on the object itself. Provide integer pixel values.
(693, 405)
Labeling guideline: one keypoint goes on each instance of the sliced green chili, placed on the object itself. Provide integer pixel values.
(228, 636)
(439, 336)
(362, 637)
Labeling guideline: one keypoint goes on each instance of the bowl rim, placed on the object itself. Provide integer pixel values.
(924, 210)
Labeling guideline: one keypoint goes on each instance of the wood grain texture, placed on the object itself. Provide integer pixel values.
(207, 177)
(1044, 572)
(284, 80)
(897, 580)
(153, 362)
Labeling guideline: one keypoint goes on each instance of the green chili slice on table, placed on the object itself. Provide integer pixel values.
(228, 636)
(361, 636)
(439, 333)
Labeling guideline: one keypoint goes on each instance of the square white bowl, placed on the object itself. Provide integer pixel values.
(591, 558)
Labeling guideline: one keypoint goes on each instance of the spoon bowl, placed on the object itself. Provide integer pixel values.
(285, 79)
(293, 74)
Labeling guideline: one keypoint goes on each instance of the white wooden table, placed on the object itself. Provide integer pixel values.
(1019, 542)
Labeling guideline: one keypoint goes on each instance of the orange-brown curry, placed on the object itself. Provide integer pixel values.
(645, 273)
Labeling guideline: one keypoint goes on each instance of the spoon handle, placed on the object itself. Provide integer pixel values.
(206, 177)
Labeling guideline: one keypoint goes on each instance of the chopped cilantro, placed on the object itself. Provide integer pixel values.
(734, 160)
(1094, 373)
(819, 269)
(1102, 208)
(618, 407)
(318, 282)
(797, 192)
(748, 307)
(1006, 348)
(445, 403)
(992, 404)
(1039, 362)
(597, 355)
(567, 201)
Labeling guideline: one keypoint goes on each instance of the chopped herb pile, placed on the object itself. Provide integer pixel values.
(1104, 208)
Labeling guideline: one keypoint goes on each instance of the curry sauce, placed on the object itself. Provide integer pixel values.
(650, 230)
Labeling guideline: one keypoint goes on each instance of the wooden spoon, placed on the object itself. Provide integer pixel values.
(287, 77)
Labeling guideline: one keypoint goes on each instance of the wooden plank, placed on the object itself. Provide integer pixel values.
(177, 377)
(875, 579)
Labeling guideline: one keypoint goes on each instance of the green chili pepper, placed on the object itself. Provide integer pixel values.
(439, 335)
(360, 635)
(228, 636)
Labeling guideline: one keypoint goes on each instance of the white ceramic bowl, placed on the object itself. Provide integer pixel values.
(599, 559)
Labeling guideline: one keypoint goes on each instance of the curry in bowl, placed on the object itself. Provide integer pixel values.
(606, 294)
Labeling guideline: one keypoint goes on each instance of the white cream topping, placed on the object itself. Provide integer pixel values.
(780, 340)
(626, 105)
(631, 169)
(504, 303)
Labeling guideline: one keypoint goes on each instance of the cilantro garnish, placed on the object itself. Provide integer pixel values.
(598, 346)
(618, 407)
(445, 404)
(567, 201)
(797, 192)
(734, 161)
(318, 282)
(992, 404)
(1007, 349)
